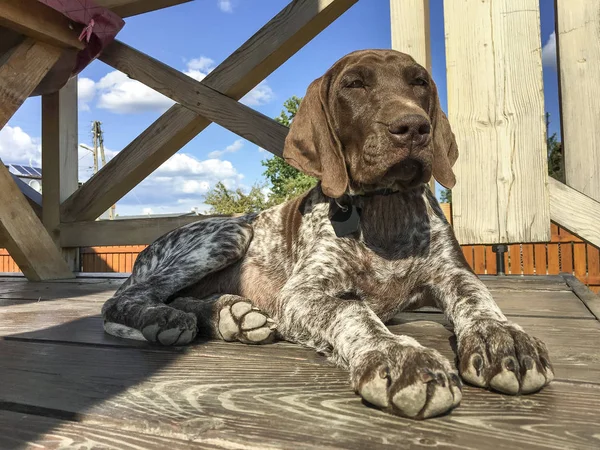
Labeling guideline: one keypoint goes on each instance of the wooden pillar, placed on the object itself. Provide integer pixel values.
(496, 109)
(578, 51)
(410, 33)
(59, 159)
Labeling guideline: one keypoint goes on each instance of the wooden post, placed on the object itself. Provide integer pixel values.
(59, 159)
(578, 52)
(496, 109)
(410, 34)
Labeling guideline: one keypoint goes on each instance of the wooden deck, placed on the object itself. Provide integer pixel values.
(64, 383)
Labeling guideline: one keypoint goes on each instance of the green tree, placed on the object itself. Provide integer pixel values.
(225, 201)
(556, 163)
(286, 181)
(446, 196)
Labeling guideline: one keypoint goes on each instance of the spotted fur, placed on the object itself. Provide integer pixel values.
(284, 273)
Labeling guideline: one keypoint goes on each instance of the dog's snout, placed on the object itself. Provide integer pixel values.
(411, 129)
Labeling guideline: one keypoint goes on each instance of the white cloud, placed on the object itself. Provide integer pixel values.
(225, 6)
(260, 95)
(549, 52)
(177, 186)
(229, 149)
(86, 91)
(17, 147)
(119, 94)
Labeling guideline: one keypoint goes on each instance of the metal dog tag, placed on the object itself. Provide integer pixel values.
(346, 220)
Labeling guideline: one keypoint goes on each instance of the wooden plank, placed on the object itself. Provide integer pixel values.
(479, 259)
(199, 98)
(410, 29)
(539, 254)
(238, 401)
(525, 283)
(128, 8)
(271, 46)
(468, 252)
(575, 211)
(60, 159)
(591, 301)
(528, 263)
(122, 231)
(553, 259)
(514, 252)
(496, 109)
(578, 22)
(20, 73)
(579, 260)
(566, 258)
(40, 22)
(19, 430)
(490, 261)
(593, 264)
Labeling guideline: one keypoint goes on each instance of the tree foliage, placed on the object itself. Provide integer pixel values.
(283, 181)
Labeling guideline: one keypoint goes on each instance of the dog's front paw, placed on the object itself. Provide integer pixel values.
(501, 356)
(168, 326)
(240, 321)
(414, 382)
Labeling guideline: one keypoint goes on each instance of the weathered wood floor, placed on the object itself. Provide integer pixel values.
(65, 384)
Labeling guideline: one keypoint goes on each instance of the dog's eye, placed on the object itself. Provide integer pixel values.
(419, 81)
(356, 84)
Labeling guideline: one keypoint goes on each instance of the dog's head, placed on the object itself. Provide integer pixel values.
(373, 121)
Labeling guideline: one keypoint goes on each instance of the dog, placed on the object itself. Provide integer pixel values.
(328, 269)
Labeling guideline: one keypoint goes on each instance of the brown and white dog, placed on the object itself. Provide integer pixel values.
(328, 269)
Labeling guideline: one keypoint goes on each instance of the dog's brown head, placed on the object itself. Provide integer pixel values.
(372, 121)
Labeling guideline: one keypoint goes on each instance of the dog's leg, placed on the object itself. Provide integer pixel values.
(492, 351)
(392, 372)
(228, 317)
(173, 262)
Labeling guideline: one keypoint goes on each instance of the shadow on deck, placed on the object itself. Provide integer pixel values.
(65, 383)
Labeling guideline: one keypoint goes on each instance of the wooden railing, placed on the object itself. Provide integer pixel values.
(564, 253)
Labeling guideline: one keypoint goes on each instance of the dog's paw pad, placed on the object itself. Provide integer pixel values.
(168, 326)
(518, 363)
(245, 323)
(413, 382)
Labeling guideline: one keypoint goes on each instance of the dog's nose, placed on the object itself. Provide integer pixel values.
(411, 129)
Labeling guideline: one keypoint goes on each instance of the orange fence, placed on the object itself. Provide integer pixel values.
(564, 253)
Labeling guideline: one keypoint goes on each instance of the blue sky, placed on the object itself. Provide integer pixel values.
(194, 38)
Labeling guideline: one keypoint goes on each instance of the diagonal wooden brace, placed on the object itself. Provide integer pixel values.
(271, 46)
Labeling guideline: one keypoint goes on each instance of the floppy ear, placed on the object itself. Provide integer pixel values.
(312, 146)
(445, 150)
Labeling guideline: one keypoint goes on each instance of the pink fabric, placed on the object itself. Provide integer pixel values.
(101, 26)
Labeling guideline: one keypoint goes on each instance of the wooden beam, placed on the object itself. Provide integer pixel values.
(21, 71)
(121, 231)
(39, 21)
(577, 23)
(128, 8)
(410, 34)
(271, 46)
(575, 211)
(219, 108)
(33, 197)
(496, 109)
(60, 159)
(410, 29)
(25, 237)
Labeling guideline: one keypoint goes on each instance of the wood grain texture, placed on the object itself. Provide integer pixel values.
(122, 231)
(21, 71)
(496, 109)
(297, 399)
(128, 8)
(41, 22)
(578, 25)
(591, 301)
(271, 46)
(26, 239)
(60, 158)
(72, 385)
(197, 97)
(575, 211)
(410, 29)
